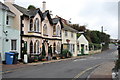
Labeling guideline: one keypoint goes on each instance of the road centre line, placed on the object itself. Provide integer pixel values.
(81, 73)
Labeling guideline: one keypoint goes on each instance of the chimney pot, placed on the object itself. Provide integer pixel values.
(44, 6)
(9, 1)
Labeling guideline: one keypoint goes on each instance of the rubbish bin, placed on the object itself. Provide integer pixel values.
(9, 57)
(15, 58)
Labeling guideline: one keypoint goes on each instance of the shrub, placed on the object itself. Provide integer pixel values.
(96, 46)
(66, 53)
(117, 64)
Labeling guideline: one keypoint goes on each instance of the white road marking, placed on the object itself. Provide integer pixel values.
(81, 73)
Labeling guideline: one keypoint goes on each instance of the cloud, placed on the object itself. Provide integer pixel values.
(95, 13)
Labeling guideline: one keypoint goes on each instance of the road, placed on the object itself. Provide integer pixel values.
(78, 68)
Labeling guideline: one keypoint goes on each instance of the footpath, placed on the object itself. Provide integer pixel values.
(14, 67)
(103, 72)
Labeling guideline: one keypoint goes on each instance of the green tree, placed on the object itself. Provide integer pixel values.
(31, 7)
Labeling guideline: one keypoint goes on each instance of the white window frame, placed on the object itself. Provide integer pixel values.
(15, 44)
(7, 20)
(72, 35)
(46, 29)
(30, 24)
(66, 33)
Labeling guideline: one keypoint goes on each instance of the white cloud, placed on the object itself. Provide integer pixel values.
(95, 13)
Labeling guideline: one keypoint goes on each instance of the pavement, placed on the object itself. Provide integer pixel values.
(14, 67)
(103, 72)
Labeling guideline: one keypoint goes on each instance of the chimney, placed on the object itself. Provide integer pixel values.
(44, 6)
(9, 1)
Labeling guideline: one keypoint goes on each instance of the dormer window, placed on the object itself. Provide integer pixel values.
(45, 29)
(31, 24)
(36, 25)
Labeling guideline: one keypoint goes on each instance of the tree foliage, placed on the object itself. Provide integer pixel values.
(98, 37)
(31, 7)
(78, 27)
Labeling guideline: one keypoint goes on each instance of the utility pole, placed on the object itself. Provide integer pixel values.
(102, 29)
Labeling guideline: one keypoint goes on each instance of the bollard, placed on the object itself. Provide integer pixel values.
(25, 59)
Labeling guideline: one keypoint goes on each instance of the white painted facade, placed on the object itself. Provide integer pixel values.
(83, 41)
(72, 43)
(8, 33)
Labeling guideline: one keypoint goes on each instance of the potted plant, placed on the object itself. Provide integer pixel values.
(30, 58)
(43, 52)
(35, 58)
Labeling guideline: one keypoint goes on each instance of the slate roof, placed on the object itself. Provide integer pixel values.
(47, 14)
(55, 20)
(3, 6)
(30, 13)
(21, 9)
(68, 28)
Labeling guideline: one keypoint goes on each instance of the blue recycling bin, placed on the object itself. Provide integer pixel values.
(9, 57)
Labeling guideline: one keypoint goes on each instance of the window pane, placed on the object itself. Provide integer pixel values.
(7, 20)
(31, 25)
(13, 45)
(45, 29)
(65, 33)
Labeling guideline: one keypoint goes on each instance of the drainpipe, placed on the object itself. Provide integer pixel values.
(3, 30)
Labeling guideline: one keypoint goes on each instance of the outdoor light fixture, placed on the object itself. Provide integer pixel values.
(5, 32)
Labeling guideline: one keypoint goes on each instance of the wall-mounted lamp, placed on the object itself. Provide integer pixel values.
(5, 32)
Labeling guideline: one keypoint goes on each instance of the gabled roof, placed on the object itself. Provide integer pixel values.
(47, 14)
(68, 28)
(3, 6)
(82, 38)
(65, 25)
(56, 20)
(30, 13)
(22, 9)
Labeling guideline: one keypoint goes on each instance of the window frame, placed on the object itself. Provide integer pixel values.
(45, 29)
(14, 46)
(31, 25)
(37, 25)
(66, 33)
(72, 34)
(7, 20)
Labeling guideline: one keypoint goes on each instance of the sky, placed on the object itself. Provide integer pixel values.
(93, 13)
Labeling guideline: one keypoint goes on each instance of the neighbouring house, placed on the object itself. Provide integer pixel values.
(69, 37)
(37, 28)
(82, 45)
(52, 33)
(9, 33)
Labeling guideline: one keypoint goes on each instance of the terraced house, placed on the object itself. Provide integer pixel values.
(37, 28)
(9, 33)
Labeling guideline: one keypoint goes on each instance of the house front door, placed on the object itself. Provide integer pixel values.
(82, 49)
